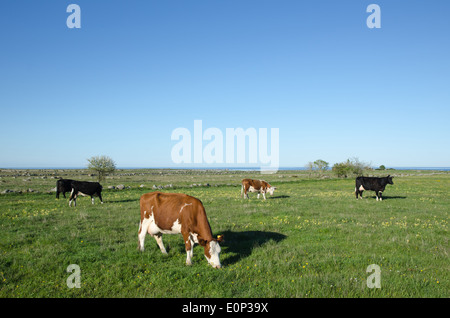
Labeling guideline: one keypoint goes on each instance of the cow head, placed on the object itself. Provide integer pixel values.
(271, 190)
(389, 179)
(212, 251)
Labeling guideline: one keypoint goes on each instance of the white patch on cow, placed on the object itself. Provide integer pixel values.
(82, 194)
(193, 237)
(186, 204)
(271, 190)
(252, 189)
(176, 227)
(361, 188)
(214, 251)
(154, 229)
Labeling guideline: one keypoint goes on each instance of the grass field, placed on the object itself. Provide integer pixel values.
(311, 239)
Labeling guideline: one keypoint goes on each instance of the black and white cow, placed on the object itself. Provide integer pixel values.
(373, 184)
(85, 188)
(63, 186)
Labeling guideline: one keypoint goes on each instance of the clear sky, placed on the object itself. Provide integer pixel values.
(137, 70)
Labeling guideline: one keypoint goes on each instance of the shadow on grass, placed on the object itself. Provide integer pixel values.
(387, 197)
(279, 197)
(122, 201)
(241, 244)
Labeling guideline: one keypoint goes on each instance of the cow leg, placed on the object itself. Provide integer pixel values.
(264, 195)
(73, 197)
(158, 238)
(381, 198)
(100, 197)
(74, 201)
(92, 200)
(189, 244)
(257, 196)
(143, 229)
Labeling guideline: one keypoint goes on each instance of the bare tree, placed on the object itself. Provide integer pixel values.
(309, 167)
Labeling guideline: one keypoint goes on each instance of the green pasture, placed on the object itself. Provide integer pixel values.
(312, 238)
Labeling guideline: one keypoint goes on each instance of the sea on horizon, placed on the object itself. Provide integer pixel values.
(213, 168)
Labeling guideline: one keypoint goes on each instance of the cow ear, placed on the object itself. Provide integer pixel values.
(220, 238)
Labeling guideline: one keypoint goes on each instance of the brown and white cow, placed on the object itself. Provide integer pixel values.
(260, 186)
(174, 213)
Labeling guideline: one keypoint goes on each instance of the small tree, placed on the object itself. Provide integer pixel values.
(309, 167)
(358, 167)
(321, 165)
(351, 166)
(102, 165)
(342, 169)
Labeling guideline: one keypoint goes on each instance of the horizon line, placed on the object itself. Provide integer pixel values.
(216, 168)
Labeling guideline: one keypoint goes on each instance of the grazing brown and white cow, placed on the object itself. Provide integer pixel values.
(260, 186)
(175, 213)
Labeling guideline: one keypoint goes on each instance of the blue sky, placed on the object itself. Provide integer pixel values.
(137, 70)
